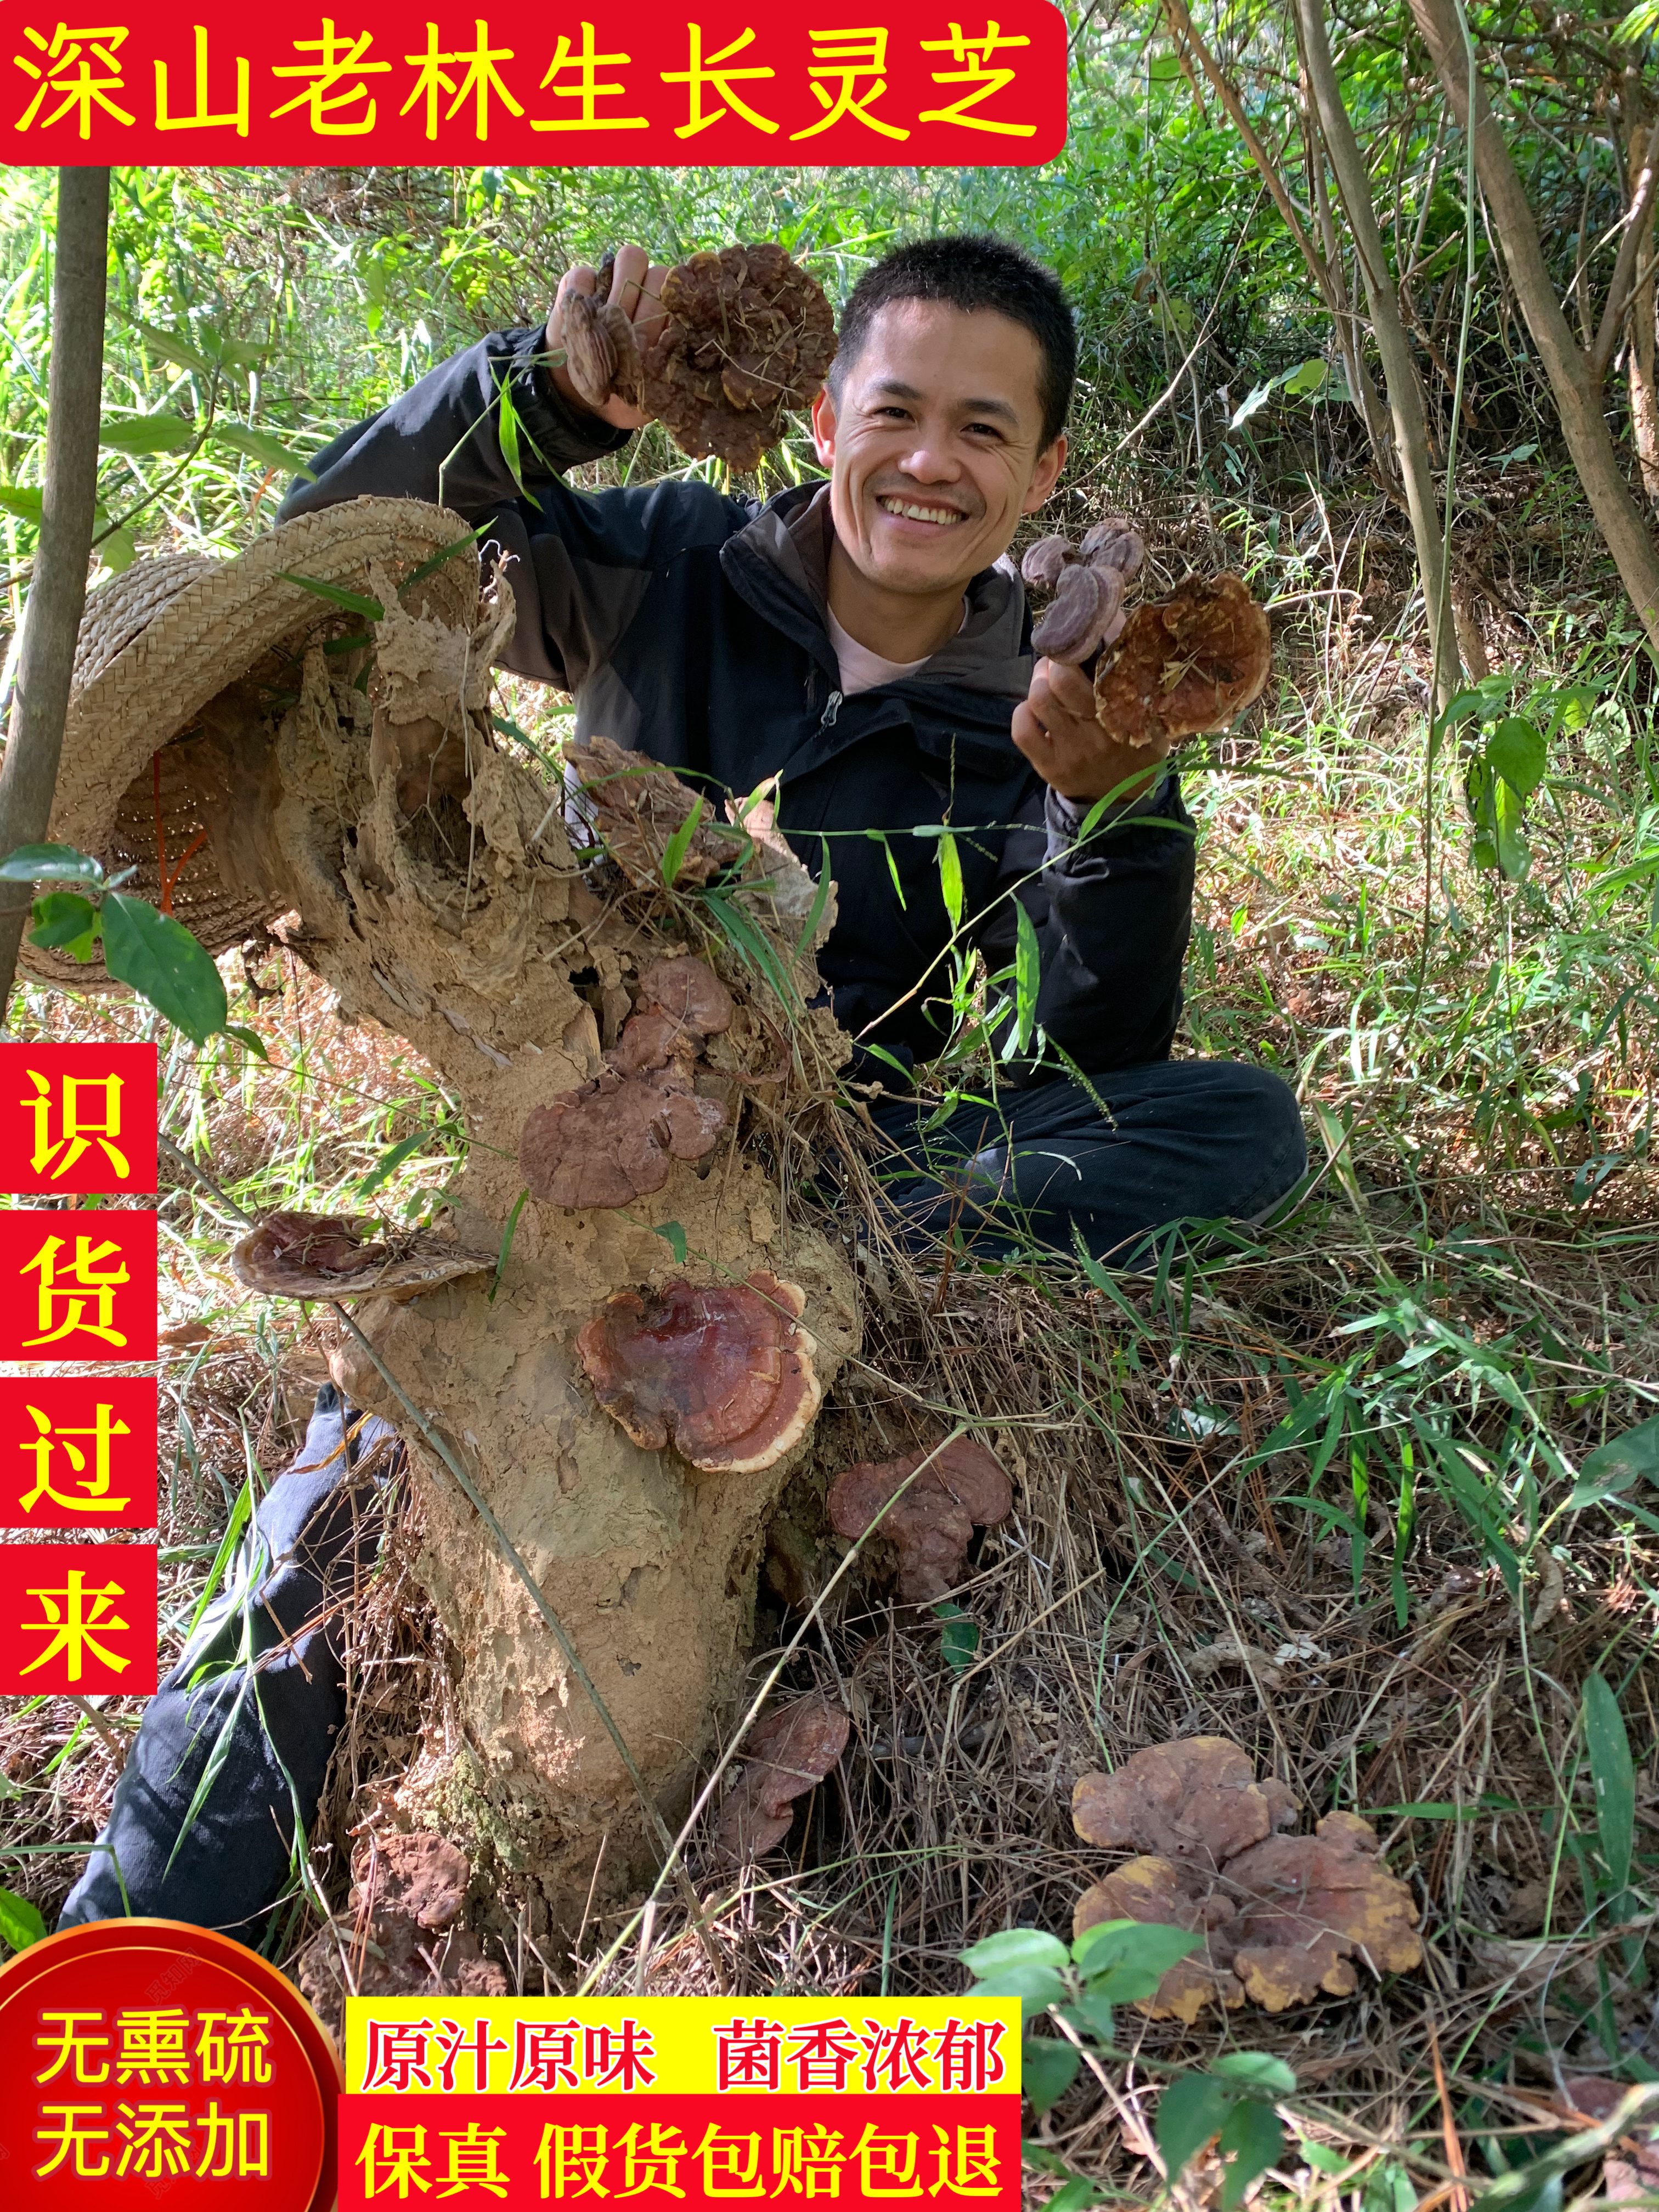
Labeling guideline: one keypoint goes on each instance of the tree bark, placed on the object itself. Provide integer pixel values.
(58, 592)
(1411, 436)
(1640, 368)
(1574, 383)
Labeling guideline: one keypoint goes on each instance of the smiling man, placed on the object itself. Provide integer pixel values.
(866, 643)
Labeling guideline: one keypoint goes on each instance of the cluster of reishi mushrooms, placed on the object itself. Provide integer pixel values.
(1282, 1918)
(745, 335)
(610, 1141)
(1169, 669)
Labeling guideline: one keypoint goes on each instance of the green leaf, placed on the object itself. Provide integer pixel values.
(1516, 749)
(674, 1236)
(65, 922)
(1630, 1457)
(1193, 2108)
(1075, 2195)
(1047, 2069)
(1036, 1987)
(507, 1234)
(1258, 2070)
(24, 501)
(1614, 1776)
(49, 863)
(674, 852)
(808, 938)
(508, 426)
(949, 877)
(1252, 2139)
(1014, 1947)
(438, 560)
(1122, 1959)
(168, 345)
(1028, 973)
(1307, 376)
(260, 446)
(394, 1157)
(357, 603)
(137, 434)
(118, 551)
(958, 1635)
(1163, 68)
(250, 1039)
(21, 1924)
(160, 959)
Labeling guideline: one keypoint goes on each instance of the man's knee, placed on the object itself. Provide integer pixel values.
(1273, 1144)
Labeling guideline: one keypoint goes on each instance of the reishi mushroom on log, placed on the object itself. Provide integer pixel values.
(610, 1141)
(959, 1487)
(721, 1371)
(787, 1755)
(324, 1255)
(1282, 1918)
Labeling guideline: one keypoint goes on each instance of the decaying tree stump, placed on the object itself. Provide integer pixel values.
(437, 891)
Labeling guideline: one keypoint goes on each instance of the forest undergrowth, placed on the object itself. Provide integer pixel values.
(1348, 1489)
(1369, 1489)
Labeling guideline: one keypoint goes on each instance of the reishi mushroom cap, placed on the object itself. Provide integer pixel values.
(1196, 1801)
(1185, 663)
(610, 1141)
(324, 1255)
(721, 1371)
(959, 1487)
(787, 1755)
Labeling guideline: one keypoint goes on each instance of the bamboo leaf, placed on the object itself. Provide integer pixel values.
(949, 877)
(141, 434)
(1615, 1777)
(674, 852)
(259, 445)
(357, 603)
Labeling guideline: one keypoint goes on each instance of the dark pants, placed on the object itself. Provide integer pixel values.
(232, 1750)
(1183, 1140)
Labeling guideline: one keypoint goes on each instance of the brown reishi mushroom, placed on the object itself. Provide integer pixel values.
(600, 351)
(1196, 1801)
(1087, 613)
(955, 1489)
(610, 1141)
(746, 334)
(1185, 663)
(1282, 1918)
(324, 1255)
(1046, 561)
(786, 1755)
(1308, 1905)
(1113, 543)
(408, 1893)
(721, 1371)
(1154, 1891)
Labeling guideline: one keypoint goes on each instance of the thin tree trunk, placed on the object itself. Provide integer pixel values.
(1575, 380)
(1640, 367)
(1411, 436)
(58, 591)
(1327, 281)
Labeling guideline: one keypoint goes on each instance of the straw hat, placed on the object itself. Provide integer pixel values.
(182, 669)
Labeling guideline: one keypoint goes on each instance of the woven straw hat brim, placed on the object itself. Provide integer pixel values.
(159, 644)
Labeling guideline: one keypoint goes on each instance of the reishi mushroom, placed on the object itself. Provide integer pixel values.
(1185, 663)
(1088, 581)
(721, 1371)
(746, 334)
(1282, 1916)
(610, 1141)
(959, 1487)
(787, 1755)
(324, 1255)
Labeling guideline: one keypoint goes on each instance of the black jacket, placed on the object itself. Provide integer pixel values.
(691, 626)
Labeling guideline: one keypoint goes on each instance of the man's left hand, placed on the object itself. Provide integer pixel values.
(1054, 727)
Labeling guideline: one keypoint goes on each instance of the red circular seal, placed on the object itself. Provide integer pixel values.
(148, 2063)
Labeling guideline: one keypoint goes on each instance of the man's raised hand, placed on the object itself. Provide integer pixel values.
(636, 287)
(1054, 727)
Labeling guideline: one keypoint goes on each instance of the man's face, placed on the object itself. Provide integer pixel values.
(934, 447)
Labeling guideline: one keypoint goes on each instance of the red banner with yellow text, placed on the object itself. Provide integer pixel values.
(926, 82)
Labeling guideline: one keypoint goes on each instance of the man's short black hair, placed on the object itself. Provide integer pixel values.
(972, 273)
